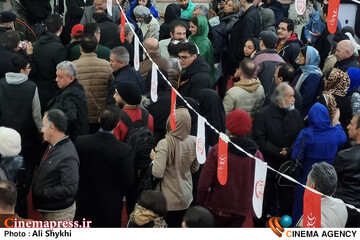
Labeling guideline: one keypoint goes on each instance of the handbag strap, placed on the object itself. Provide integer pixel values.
(301, 148)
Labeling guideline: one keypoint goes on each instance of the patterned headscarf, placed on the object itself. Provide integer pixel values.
(337, 84)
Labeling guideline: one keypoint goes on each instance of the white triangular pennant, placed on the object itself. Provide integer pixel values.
(200, 140)
(136, 54)
(300, 6)
(154, 83)
(259, 186)
(109, 7)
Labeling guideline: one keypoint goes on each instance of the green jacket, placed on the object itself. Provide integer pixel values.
(188, 12)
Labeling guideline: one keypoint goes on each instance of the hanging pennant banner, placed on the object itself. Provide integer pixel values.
(312, 210)
(259, 186)
(300, 6)
(200, 140)
(332, 16)
(172, 111)
(122, 28)
(154, 83)
(222, 166)
(136, 53)
(109, 7)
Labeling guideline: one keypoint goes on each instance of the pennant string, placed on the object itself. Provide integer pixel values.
(218, 132)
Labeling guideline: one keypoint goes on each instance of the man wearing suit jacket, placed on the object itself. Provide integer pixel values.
(106, 172)
(100, 5)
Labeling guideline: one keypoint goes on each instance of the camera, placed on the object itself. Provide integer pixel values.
(23, 45)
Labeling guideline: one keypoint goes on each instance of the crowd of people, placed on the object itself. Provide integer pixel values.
(80, 130)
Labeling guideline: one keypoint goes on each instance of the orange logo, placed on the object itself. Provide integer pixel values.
(277, 224)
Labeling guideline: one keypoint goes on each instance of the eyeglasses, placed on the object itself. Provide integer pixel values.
(183, 58)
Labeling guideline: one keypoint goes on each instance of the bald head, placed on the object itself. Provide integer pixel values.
(344, 50)
(151, 45)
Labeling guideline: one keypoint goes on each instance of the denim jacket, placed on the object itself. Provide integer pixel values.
(315, 24)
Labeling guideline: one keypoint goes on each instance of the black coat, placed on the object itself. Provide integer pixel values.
(347, 166)
(56, 182)
(72, 101)
(247, 26)
(172, 13)
(350, 62)
(109, 30)
(274, 129)
(48, 53)
(323, 46)
(106, 172)
(5, 55)
(291, 49)
(194, 78)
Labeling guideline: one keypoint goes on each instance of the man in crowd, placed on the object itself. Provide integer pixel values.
(248, 93)
(195, 75)
(247, 26)
(7, 20)
(95, 75)
(100, 5)
(152, 47)
(275, 129)
(71, 100)
(119, 62)
(345, 56)
(76, 34)
(56, 182)
(322, 178)
(187, 8)
(267, 59)
(48, 53)
(288, 45)
(347, 168)
(177, 32)
(109, 179)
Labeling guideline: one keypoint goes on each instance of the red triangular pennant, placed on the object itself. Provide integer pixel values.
(332, 16)
(312, 210)
(122, 28)
(222, 166)
(172, 111)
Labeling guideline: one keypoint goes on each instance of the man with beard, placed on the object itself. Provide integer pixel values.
(275, 130)
(187, 8)
(178, 33)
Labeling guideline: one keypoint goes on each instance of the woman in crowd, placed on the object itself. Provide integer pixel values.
(145, 3)
(322, 139)
(251, 47)
(174, 160)
(199, 28)
(147, 23)
(149, 211)
(308, 80)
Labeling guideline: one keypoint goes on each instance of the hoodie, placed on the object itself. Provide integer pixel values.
(246, 95)
(290, 50)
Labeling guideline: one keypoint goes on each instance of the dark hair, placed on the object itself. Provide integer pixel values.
(57, 118)
(8, 194)
(249, 1)
(53, 23)
(197, 216)
(88, 43)
(247, 67)
(91, 28)
(325, 178)
(256, 43)
(187, 47)
(303, 51)
(325, 9)
(11, 39)
(290, 23)
(109, 118)
(348, 29)
(97, 15)
(195, 21)
(177, 23)
(173, 47)
(148, 3)
(18, 62)
(286, 71)
(154, 201)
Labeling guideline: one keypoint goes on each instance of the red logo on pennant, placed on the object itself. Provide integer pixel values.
(259, 189)
(222, 170)
(312, 209)
(200, 146)
(301, 6)
(122, 28)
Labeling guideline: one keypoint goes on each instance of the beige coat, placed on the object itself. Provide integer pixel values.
(94, 74)
(177, 180)
(247, 96)
(151, 29)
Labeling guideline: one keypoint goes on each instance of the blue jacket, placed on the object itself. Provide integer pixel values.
(129, 13)
(315, 24)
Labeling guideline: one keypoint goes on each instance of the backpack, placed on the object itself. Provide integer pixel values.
(139, 138)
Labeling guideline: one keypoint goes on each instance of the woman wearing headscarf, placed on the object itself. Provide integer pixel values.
(199, 28)
(172, 13)
(231, 203)
(174, 160)
(336, 85)
(323, 137)
(147, 23)
(145, 3)
(308, 80)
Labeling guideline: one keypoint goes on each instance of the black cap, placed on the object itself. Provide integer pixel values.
(269, 39)
(334, 39)
(129, 92)
(6, 17)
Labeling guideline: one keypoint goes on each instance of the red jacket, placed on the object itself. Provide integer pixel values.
(121, 130)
